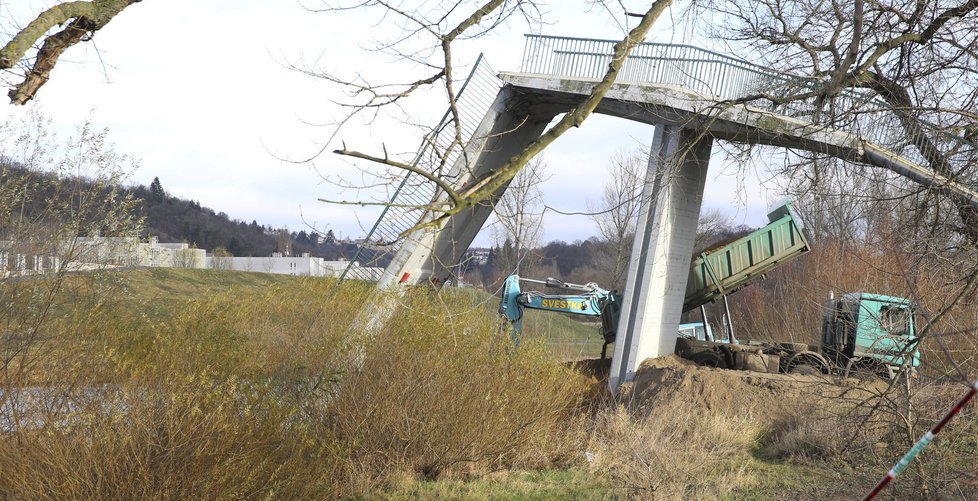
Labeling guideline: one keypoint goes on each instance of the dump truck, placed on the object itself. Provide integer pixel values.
(860, 331)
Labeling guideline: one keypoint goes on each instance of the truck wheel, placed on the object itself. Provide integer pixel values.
(804, 369)
(709, 359)
(866, 369)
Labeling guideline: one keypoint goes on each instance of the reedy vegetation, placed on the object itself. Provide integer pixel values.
(254, 397)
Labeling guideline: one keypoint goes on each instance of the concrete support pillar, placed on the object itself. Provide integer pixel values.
(659, 268)
(431, 254)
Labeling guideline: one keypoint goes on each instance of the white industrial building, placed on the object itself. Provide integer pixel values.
(90, 253)
(304, 265)
(130, 252)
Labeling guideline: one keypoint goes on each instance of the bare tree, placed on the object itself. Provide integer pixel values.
(850, 204)
(53, 193)
(79, 21)
(920, 58)
(221, 259)
(187, 258)
(283, 242)
(520, 215)
(616, 213)
(443, 24)
(714, 227)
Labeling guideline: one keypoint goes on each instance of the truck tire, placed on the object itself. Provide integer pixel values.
(867, 369)
(803, 369)
(710, 359)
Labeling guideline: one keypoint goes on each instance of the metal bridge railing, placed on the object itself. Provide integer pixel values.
(438, 149)
(727, 78)
(690, 67)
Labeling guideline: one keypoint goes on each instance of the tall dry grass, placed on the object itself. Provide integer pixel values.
(184, 438)
(674, 452)
(434, 400)
(874, 430)
(262, 396)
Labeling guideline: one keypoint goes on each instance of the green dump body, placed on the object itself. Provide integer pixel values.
(727, 268)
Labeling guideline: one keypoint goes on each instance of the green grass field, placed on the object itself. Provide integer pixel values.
(162, 291)
(159, 292)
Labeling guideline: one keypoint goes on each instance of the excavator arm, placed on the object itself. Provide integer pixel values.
(591, 301)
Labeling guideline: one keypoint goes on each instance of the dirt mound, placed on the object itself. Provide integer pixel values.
(663, 382)
(595, 368)
(671, 381)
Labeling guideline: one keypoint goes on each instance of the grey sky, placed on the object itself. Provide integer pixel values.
(200, 93)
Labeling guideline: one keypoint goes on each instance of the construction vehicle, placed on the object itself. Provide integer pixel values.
(860, 331)
(713, 275)
(590, 300)
(696, 330)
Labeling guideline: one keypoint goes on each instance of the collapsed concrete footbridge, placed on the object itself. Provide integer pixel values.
(692, 96)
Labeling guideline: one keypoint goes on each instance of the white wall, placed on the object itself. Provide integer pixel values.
(305, 266)
(89, 253)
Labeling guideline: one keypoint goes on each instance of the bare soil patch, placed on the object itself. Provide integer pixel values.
(668, 381)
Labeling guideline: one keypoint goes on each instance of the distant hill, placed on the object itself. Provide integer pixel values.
(174, 219)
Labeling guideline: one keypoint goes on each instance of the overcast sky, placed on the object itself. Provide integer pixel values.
(201, 93)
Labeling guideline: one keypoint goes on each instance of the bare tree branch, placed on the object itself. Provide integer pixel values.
(452, 194)
(484, 188)
(86, 18)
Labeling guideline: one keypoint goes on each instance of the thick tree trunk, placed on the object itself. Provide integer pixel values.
(85, 19)
(899, 98)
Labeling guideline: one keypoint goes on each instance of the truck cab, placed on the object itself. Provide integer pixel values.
(870, 332)
(697, 331)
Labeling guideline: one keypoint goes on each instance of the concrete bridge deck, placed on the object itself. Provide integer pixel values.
(661, 104)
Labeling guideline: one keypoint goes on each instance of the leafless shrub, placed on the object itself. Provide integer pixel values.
(828, 424)
(186, 437)
(435, 398)
(52, 193)
(254, 397)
